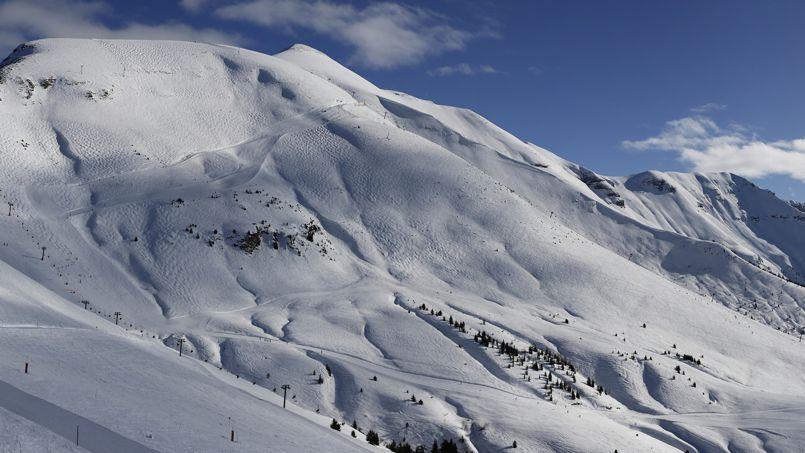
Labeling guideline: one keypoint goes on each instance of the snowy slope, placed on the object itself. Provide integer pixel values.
(283, 216)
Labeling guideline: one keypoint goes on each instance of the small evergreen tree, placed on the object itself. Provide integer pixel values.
(335, 425)
(448, 446)
(372, 438)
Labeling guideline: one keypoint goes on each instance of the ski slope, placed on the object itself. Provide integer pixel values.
(287, 220)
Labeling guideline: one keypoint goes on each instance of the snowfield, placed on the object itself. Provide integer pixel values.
(402, 265)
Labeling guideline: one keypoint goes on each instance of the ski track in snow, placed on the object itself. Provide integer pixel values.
(90, 435)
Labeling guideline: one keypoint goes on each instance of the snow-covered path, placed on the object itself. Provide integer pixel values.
(73, 427)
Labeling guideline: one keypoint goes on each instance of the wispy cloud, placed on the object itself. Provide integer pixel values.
(464, 69)
(707, 147)
(382, 35)
(22, 20)
(193, 6)
(709, 107)
(535, 70)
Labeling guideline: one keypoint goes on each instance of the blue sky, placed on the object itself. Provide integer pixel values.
(617, 86)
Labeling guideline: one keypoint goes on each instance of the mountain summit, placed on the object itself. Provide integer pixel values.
(408, 266)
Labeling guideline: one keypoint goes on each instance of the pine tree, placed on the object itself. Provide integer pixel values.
(372, 438)
(335, 425)
(448, 446)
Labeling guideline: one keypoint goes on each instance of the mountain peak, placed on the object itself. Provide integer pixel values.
(299, 47)
(319, 63)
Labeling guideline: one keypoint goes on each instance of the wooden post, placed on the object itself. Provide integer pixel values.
(76, 435)
(232, 435)
(26, 367)
(285, 388)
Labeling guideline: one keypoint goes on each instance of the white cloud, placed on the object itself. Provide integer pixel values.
(535, 70)
(383, 35)
(22, 20)
(704, 145)
(193, 6)
(462, 69)
(709, 107)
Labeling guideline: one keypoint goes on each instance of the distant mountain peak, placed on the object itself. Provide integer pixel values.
(299, 47)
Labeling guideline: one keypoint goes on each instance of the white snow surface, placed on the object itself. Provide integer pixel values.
(141, 166)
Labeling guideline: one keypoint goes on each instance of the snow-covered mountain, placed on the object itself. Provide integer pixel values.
(404, 265)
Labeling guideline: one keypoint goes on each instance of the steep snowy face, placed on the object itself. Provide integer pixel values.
(281, 214)
(749, 225)
(107, 107)
(750, 221)
(726, 226)
(193, 123)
